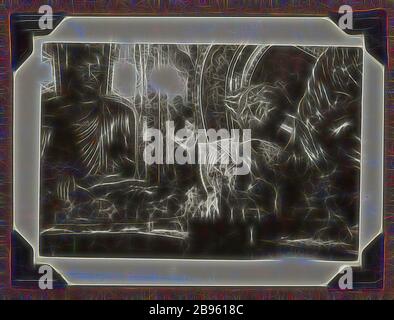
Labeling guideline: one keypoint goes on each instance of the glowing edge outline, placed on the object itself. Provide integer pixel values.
(341, 264)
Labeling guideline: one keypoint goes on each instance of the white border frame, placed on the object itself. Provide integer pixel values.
(305, 31)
